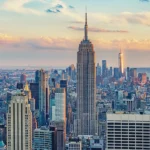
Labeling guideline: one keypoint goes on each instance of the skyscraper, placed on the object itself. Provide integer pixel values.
(86, 87)
(60, 117)
(34, 87)
(41, 77)
(23, 78)
(98, 70)
(60, 98)
(120, 61)
(19, 124)
(104, 68)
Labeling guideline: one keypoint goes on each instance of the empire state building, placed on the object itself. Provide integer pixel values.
(85, 124)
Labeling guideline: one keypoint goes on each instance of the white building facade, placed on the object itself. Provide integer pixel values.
(19, 124)
(128, 132)
(60, 104)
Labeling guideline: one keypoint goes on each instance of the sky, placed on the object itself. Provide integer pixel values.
(48, 32)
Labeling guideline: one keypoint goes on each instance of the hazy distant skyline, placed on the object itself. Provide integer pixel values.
(48, 32)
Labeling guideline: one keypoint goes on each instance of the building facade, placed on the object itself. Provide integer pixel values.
(75, 145)
(128, 131)
(42, 139)
(19, 124)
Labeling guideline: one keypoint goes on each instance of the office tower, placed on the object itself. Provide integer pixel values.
(52, 108)
(104, 68)
(128, 131)
(71, 71)
(116, 73)
(69, 118)
(47, 101)
(98, 70)
(60, 131)
(34, 87)
(42, 139)
(60, 117)
(63, 84)
(32, 105)
(53, 129)
(74, 145)
(119, 105)
(120, 63)
(133, 72)
(128, 73)
(60, 103)
(130, 102)
(142, 77)
(23, 78)
(53, 82)
(19, 124)
(52, 104)
(41, 77)
(9, 97)
(2, 145)
(20, 86)
(86, 87)
(34, 125)
(110, 71)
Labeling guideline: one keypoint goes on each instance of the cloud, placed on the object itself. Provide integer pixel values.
(144, 0)
(19, 7)
(59, 6)
(64, 9)
(53, 11)
(48, 44)
(98, 30)
(142, 18)
(71, 7)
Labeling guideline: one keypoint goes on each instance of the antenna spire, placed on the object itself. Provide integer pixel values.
(86, 25)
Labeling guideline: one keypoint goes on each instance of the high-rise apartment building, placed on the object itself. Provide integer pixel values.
(86, 87)
(19, 124)
(128, 132)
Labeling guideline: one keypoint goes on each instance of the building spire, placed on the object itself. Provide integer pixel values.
(86, 26)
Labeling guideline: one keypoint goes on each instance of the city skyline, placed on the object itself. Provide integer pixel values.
(47, 32)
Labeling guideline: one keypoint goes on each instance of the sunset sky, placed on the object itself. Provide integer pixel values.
(48, 32)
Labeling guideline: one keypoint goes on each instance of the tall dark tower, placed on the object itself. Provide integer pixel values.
(85, 124)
